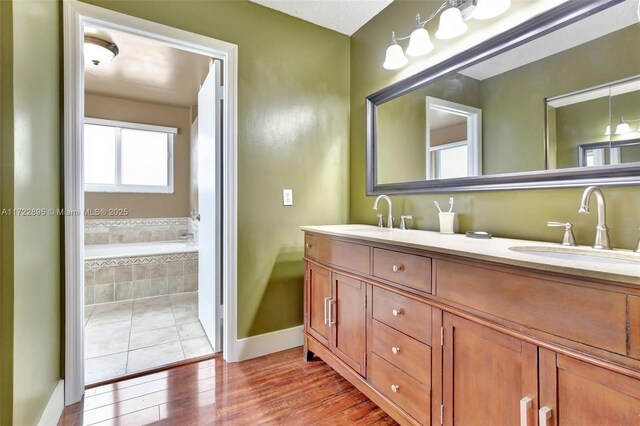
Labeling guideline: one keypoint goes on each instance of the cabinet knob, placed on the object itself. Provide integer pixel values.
(395, 388)
(397, 268)
(397, 312)
(308, 245)
(395, 350)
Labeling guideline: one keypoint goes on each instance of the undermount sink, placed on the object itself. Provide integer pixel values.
(582, 254)
(363, 228)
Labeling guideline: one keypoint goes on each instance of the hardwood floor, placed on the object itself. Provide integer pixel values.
(275, 389)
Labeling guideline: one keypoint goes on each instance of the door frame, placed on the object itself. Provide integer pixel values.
(75, 16)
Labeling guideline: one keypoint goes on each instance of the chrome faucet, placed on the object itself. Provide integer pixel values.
(390, 218)
(602, 232)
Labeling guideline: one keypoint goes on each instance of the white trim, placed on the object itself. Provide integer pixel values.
(474, 134)
(268, 343)
(129, 125)
(54, 408)
(76, 16)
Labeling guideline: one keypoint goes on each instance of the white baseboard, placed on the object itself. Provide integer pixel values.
(54, 408)
(264, 344)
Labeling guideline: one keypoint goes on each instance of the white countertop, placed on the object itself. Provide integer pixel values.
(495, 250)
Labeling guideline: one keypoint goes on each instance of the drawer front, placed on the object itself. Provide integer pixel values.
(409, 394)
(403, 314)
(310, 246)
(350, 256)
(409, 355)
(402, 268)
(582, 314)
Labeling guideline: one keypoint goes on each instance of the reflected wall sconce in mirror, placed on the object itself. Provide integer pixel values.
(452, 25)
(622, 128)
(98, 50)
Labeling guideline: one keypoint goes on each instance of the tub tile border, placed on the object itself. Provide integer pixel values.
(139, 260)
(158, 221)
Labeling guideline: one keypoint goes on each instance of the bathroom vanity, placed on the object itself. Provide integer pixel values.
(443, 329)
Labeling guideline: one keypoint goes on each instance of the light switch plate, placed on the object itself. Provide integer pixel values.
(287, 197)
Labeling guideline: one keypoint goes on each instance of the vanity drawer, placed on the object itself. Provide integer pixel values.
(403, 314)
(408, 393)
(310, 246)
(354, 257)
(583, 314)
(402, 268)
(409, 355)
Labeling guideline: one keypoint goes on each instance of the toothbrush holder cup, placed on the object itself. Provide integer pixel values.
(446, 222)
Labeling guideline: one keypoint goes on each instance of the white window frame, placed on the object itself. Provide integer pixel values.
(119, 187)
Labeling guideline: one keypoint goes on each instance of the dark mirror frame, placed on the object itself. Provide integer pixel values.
(563, 15)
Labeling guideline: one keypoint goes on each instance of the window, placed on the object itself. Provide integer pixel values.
(127, 157)
(450, 160)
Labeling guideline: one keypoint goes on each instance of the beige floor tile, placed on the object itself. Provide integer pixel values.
(106, 339)
(190, 330)
(143, 339)
(154, 356)
(105, 367)
(111, 312)
(199, 346)
(149, 320)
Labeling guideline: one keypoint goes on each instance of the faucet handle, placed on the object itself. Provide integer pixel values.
(380, 220)
(568, 239)
(403, 224)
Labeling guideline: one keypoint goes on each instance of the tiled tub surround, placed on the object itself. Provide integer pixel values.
(128, 337)
(118, 231)
(109, 279)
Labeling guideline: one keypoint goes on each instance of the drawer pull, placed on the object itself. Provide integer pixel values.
(395, 388)
(397, 312)
(525, 404)
(544, 414)
(326, 310)
(397, 268)
(395, 350)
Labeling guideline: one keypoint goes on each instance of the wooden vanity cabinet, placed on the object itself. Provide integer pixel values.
(440, 339)
(336, 314)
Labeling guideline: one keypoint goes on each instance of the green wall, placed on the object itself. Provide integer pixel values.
(514, 214)
(293, 132)
(31, 255)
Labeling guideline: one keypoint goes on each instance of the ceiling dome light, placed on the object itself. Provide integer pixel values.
(487, 9)
(97, 50)
(451, 24)
(394, 58)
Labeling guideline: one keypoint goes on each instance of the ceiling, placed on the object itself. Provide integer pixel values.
(343, 16)
(147, 70)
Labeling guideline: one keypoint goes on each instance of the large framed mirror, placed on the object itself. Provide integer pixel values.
(554, 102)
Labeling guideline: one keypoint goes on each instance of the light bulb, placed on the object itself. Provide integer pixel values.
(607, 132)
(487, 9)
(451, 24)
(419, 43)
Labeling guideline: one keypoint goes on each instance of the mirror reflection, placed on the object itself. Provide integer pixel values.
(545, 105)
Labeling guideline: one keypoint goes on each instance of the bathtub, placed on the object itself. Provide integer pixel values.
(123, 272)
(104, 251)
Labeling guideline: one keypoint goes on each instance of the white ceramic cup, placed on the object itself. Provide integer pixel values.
(446, 222)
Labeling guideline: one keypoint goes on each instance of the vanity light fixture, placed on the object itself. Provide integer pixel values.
(452, 24)
(622, 128)
(98, 50)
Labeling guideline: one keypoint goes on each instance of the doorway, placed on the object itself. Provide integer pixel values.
(218, 276)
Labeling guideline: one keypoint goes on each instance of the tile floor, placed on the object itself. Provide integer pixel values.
(127, 337)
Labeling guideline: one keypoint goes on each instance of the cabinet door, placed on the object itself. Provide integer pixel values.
(348, 320)
(582, 394)
(318, 298)
(486, 376)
